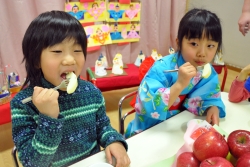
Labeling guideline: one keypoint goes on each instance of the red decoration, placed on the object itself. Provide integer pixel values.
(124, 1)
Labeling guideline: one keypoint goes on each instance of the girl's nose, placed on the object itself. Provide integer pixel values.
(68, 60)
(201, 52)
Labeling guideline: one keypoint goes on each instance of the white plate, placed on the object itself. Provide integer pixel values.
(101, 164)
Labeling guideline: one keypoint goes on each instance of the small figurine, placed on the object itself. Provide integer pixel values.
(140, 58)
(99, 68)
(104, 60)
(171, 50)
(218, 58)
(155, 55)
(117, 64)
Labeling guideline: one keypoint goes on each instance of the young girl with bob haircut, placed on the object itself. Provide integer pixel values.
(162, 94)
(57, 128)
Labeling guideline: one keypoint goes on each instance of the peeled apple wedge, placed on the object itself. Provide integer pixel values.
(72, 85)
(206, 71)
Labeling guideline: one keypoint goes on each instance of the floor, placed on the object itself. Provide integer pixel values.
(112, 98)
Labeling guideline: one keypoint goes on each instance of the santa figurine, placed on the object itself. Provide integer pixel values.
(140, 58)
(117, 64)
(99, 68)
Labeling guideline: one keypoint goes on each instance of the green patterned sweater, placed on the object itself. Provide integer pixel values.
(81, 128)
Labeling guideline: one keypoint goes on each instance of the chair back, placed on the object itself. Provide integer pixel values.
(14, 156)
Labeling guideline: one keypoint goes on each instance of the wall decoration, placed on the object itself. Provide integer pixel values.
(123, 12)
(75, 9)
(98, 35)
(96, 11)
(112, 22)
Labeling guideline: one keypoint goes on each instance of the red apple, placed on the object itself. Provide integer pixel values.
(239, 142)
(210, 144)
(244, 160)
(187, 159)
(216, 162)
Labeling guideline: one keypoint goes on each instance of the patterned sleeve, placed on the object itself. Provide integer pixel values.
(154, 93)
(36, 140)
(105, 133)
(204, 94)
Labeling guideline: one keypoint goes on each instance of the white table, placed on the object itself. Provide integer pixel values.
(165, 139)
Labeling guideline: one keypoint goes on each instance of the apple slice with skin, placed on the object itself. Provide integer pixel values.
(206, 71)
(72, 85)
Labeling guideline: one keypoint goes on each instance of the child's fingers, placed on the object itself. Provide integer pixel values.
(108, 156)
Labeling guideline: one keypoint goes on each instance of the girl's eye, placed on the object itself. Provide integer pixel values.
(194, 44)
(78, 51)
(57, 51)
(210, 46)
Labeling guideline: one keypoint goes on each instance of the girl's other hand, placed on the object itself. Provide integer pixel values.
(117, 150)
(213, 115)
(186, 72)
(244, 73)
(46, 101)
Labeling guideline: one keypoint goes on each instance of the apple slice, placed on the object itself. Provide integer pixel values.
(206, 71)
(72, 82)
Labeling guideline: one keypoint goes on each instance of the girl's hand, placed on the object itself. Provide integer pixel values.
(244, 73)
(186, 72)
(213, 115)
(46, 101)
(117, 150)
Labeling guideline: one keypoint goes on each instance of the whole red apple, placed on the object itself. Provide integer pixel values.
(187, 159)
(239, 142)
(216, 162)
(210, 144)
(244, 160)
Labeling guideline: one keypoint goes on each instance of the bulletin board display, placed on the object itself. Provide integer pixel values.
(108, 22)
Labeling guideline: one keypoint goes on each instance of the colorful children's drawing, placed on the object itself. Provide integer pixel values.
(95, 11)
(98, 35)
(134, 31)
(115, 34)
(75, 9)
(117, 64)
(133, 11)
(115, 12)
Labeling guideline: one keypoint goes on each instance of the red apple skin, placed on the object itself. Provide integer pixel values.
(187, 159)
(239, 142)
(216, 162)
(210, 144)
(244, 160)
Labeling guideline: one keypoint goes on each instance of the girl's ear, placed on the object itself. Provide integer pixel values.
(177, 42)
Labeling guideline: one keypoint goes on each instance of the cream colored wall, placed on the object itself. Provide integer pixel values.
(236, 47)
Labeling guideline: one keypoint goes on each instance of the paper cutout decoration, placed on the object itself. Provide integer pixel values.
(133, 10)
(100, 68)
(98, 35)
(76, 10)
(117, 64)
(95, 11)
(218, 59)
(171, 50)
(115, 12)
(140, 58)
(133, 33)
(116, 34)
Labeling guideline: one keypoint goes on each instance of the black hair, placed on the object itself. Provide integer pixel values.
(196, 22)
(48, 29)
